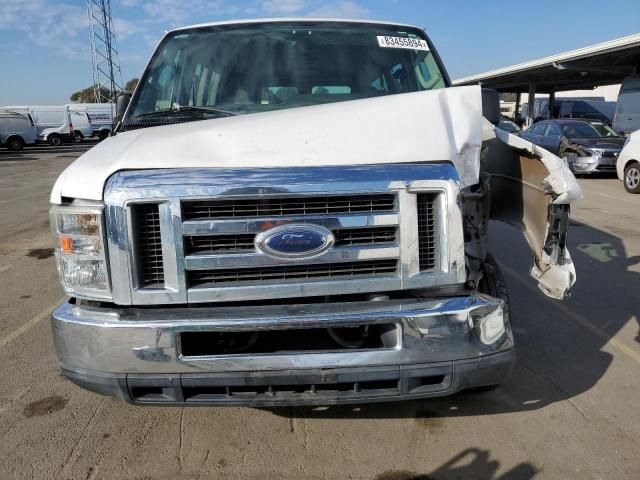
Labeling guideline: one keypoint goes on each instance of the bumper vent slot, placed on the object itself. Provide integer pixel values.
(281, 274)
(148, 244)
(287, 206)
(427, 230)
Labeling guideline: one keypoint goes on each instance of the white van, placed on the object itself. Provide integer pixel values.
(53, 124)
(627, 117)
(81, 125)
(16, 130)
(100, 115)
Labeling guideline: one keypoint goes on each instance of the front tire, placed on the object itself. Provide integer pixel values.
(54, 140)
(492, 283)
(77, 137)
(15, 143)
(632, 178)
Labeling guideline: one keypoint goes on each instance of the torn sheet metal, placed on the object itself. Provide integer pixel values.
(531, 189)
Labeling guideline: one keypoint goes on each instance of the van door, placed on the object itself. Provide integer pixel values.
(531, 189)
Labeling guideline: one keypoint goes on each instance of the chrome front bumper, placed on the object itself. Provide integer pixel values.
(135, 353)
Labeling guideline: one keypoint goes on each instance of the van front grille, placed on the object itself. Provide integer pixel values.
(281, 274)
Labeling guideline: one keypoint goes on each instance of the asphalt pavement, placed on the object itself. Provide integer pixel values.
(569, 411)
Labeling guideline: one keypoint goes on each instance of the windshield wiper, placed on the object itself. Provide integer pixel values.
(187, 111)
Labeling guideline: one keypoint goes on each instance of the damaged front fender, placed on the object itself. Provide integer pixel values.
(532, 189)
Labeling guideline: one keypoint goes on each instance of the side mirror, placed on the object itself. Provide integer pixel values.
(121, 106)
(491, 105)
(122, 103)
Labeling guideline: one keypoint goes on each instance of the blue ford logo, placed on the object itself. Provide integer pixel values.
(295, 241)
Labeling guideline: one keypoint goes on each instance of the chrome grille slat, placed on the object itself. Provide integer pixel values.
(244, 242)
(290, 272)
(365, 236)
(259, 224)
(286, 206)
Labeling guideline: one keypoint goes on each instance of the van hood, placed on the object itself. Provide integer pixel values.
(431, 126)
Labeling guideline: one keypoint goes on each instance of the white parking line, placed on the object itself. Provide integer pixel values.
(25, 327)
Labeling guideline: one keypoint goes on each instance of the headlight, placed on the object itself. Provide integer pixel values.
(80, 253)
(587, 152)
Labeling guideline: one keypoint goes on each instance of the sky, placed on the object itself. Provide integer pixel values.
(45, 52)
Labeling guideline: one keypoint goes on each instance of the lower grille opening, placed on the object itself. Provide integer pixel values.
(152, 393)
(365, 337)
(378, 385)
(432, 380)
(196, 393)
(336, 387)
(248, 390)
(204, 278)
(206, 393)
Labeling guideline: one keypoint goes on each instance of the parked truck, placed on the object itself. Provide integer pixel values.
(295, 212)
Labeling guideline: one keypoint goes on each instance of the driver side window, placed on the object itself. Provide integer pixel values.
(553, 131)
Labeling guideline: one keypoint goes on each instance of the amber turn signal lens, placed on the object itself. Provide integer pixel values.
(66, 244)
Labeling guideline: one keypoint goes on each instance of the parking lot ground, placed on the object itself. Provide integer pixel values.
(569, 411)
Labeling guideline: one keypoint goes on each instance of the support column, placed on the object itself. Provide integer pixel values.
(532, 103)
(552, 99)
(517, 111)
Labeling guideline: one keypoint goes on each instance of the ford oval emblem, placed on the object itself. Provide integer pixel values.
(295, 241)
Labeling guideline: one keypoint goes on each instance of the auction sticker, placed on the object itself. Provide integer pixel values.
(402, 42)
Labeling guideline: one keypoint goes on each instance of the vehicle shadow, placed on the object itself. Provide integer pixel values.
(559, 344)
(470, 463)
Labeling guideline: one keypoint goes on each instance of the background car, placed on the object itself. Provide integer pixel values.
(628, 164)
(509, 125)
(588, 146)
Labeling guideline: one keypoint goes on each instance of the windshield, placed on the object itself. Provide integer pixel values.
(260, 67)
(603, 129)
(580, 130)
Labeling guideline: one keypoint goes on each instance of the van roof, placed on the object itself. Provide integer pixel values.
(294, 19)
(11, 113)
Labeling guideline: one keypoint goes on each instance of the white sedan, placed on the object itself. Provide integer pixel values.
(628, 164)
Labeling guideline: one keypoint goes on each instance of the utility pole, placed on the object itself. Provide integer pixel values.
(104, 52)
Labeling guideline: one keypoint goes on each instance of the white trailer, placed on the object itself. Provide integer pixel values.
(53, 124)
(16, 130)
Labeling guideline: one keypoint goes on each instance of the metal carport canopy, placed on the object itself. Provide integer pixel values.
(585, 68)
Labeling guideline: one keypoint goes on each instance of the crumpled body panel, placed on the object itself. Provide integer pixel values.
(531, 189)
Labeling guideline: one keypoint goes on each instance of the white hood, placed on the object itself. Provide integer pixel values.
(431, 126)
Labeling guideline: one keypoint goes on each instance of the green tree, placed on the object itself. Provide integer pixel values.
(87, 95)
(130, 86)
